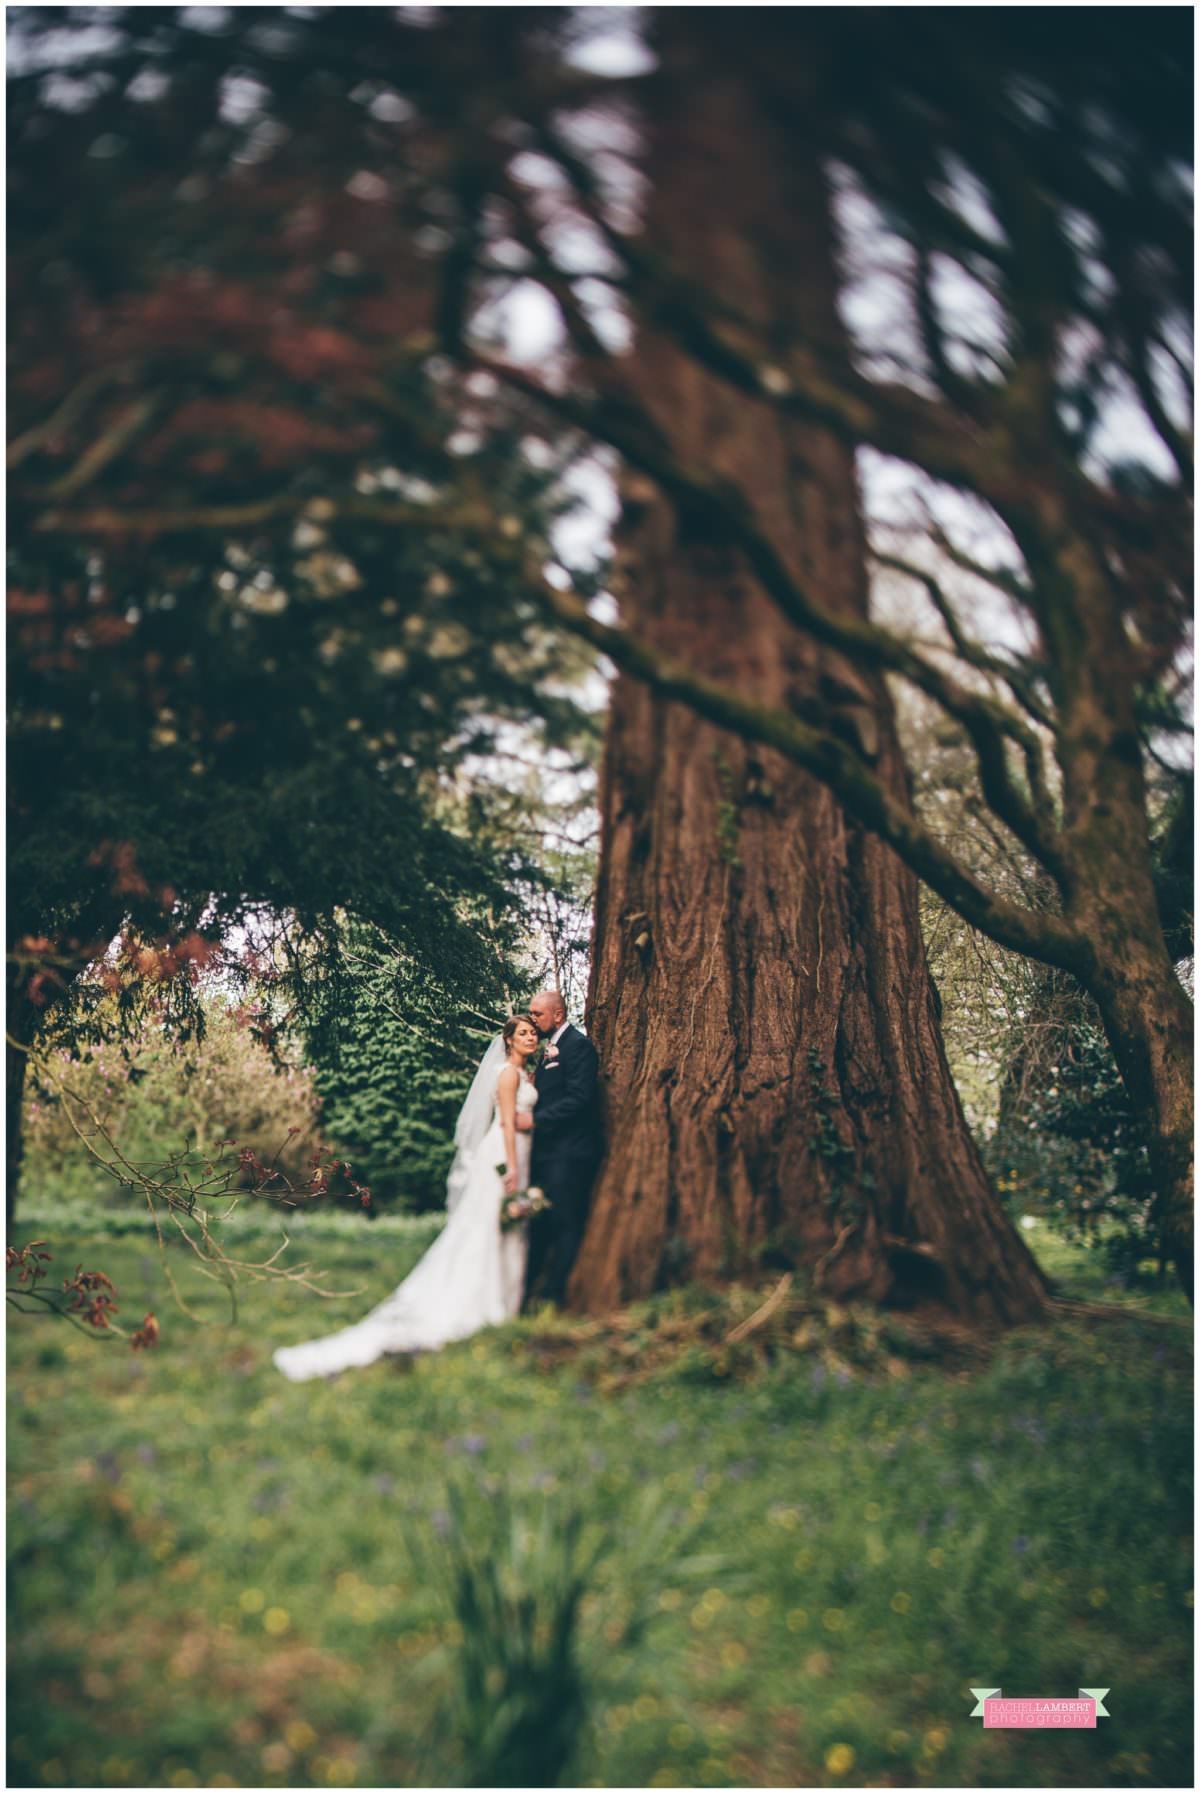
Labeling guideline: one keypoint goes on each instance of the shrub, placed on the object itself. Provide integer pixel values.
(152, 1095)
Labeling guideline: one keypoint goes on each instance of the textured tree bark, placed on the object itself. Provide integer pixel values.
(776, 1087)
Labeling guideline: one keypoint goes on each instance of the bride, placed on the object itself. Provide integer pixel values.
(473, 1275)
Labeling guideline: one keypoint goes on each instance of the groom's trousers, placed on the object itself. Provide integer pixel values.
(555, 1238)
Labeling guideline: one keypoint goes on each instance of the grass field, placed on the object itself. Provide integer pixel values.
(810, 1544)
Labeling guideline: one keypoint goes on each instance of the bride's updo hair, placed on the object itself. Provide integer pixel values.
(513, 1023)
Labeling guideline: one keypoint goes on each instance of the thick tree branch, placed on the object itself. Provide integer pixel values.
(699, 493)
(113, 442)
(959, 391)
(558, 285)
(66, 414)
(1042, 937)
(969, 652)
(107, 520)
(470, 184)
(1005, 582)
(1136, 318)
(1035, 829)
(814, 385)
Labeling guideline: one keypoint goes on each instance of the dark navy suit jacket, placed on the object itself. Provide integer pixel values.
(566, 1122)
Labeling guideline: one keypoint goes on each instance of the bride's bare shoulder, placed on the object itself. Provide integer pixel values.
(508, 1077)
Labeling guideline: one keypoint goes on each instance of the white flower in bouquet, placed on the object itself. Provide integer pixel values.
(522, 1205)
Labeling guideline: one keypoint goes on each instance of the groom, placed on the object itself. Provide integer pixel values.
(567, 1146)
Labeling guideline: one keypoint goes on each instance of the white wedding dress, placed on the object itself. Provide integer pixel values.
(472, 1276)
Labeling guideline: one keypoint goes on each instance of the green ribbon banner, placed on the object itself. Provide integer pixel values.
(1095, 1694)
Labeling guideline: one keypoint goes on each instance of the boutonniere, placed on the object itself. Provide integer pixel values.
(549, 1053)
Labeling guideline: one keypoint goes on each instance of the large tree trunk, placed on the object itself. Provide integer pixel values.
(776, 1085)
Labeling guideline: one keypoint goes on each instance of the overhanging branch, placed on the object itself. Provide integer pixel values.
(630, 430)
(1039, 936)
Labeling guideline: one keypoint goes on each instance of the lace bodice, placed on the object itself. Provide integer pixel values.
(527, 1094)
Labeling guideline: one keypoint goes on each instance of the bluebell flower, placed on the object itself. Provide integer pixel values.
(1020, 1543)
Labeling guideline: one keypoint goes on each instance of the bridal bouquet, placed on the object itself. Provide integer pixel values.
(522, 1205)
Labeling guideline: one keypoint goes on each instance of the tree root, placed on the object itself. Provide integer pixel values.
(823, 1263)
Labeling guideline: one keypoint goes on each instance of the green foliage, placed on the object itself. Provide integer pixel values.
(275, 716)
(829, 1148)
(271, 712)
(390, 1103)
(727, 814)
(517, 1574)
(394, 1043)
(1071, 1149)
(1067, 1142)
(829, 1549)
(70, 1213)
(514, 1583)
(1082, 1269)
(1026, 1046)
(548, 809)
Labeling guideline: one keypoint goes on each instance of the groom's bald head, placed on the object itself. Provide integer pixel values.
(548, 1011)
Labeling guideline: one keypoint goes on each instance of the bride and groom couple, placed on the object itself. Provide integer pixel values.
(515, 1130)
